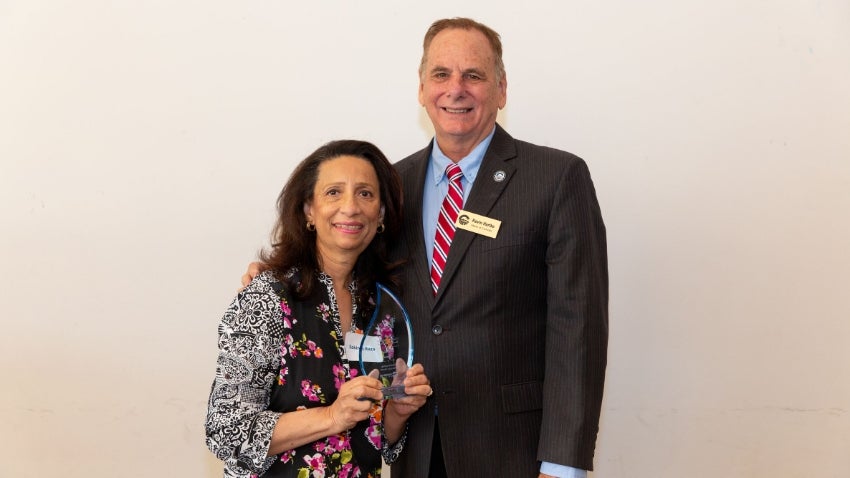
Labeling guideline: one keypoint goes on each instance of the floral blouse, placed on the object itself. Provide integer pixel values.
(278, 354)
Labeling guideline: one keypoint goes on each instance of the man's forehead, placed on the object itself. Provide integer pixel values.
(452, 52)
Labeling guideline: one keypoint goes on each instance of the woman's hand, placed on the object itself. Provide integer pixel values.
(398, 410)
(418, 389)
(355, 400)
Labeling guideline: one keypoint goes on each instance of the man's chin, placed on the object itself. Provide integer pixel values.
(455, 131)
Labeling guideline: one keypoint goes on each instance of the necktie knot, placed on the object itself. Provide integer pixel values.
(453, 172)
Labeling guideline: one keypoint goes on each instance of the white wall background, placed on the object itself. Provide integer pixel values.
(142, 145)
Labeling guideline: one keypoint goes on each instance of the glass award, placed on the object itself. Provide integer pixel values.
(387, 344)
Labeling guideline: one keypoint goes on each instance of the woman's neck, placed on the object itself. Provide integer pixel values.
(339, 270)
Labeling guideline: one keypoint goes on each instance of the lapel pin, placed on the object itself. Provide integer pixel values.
(499, 176)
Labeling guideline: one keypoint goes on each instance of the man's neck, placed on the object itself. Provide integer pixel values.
(456, 148)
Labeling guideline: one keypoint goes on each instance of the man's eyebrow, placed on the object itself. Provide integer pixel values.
(438, 68)
(477, 71)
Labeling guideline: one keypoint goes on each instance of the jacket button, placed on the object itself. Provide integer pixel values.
(437, 329)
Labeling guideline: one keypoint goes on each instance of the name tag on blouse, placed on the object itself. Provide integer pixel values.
(371, 348)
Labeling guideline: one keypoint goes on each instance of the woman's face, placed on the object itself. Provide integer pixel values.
(346, 207)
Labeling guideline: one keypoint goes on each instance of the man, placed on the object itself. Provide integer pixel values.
(510, 322)
(515, 339)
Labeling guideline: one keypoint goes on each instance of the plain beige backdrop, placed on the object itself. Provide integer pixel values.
(143, 144)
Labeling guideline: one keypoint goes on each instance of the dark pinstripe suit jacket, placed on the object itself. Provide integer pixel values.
(515, 342)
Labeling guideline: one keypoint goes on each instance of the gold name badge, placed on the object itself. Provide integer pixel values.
(478, 224)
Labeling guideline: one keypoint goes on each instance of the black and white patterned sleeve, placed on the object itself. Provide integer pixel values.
(238, 425)
(392, 452)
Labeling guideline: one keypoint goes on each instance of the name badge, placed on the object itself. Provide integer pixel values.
(478, 224)
(371, 348)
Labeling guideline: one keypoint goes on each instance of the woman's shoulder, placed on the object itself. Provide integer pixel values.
(261, 281)
(257, 306)
(266, 282)
(271, 285)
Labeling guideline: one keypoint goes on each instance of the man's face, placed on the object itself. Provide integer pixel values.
(460, 88)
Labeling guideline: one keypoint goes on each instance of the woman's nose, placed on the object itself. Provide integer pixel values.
(350, 204)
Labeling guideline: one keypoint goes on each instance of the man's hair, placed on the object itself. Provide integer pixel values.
(463, 24)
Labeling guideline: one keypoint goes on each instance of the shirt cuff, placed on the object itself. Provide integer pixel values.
(391, 453)
(561, 471)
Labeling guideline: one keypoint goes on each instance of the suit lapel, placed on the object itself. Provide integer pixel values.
(485, 191)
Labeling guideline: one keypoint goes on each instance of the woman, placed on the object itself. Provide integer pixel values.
(285, 401)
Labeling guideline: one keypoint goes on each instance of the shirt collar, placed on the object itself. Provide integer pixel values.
(470, 164)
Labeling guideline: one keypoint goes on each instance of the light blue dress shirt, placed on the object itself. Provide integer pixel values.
(436, 187)
(562, 471)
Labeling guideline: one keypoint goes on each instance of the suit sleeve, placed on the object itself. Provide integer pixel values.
(577, 322)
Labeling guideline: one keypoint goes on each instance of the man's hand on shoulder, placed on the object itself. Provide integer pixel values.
(254, 269)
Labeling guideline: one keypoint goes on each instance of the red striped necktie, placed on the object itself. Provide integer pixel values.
(446, 224)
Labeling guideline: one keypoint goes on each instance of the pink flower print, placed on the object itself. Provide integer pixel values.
(373, 433)
(317, 464)
(287, 456)
(348, 470)
(324, 311)
(310, 391)
(281, 377)
(339, 375)
(286, 346)
(284, 307)
(305, 348)
(386, 331)
(311, 347)
(339, 442)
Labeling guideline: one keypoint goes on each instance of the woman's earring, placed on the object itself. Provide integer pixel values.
(310, 226)
(381, 228)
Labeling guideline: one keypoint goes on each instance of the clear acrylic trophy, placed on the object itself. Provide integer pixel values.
(387, 344)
